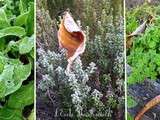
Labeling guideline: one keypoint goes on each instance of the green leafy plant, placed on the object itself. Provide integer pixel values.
(144, 56)
(16, 58)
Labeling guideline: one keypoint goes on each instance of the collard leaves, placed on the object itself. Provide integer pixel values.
(26, 45)
(21, 19)
(12, 76)
(14, 31)
(9, 114)
(18, 100)
(16, 58)
(16, 103)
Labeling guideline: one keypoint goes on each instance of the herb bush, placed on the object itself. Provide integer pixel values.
(16, 59)
(95, 86)
(144, 56)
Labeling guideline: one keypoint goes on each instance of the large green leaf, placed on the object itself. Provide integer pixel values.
(26, 45)
(15, 31)
(6, 79)
(23, 97)
(30, 20)
(21, 19)
(12, 76)
(16, 38)
(16, 103)
(10, 114)
(3, 19)
(21, 72)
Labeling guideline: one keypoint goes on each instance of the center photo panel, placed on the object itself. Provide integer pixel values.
(80, 60)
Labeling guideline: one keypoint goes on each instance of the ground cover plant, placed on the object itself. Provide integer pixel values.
(144, 54)
(16, 59)
(95, 87)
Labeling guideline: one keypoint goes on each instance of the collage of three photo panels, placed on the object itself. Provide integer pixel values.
(79, 59)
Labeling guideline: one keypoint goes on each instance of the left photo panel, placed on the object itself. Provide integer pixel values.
(17, 59)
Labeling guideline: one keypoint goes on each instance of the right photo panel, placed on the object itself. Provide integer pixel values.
(143, 59)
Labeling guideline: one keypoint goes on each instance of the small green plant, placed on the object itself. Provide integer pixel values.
(16, 58)
(145, 55)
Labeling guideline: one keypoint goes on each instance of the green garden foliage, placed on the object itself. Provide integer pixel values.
(16, 58)
(144, 56)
